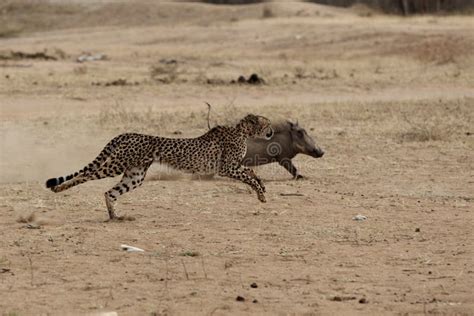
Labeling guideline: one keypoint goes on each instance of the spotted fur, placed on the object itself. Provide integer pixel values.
(219, 151)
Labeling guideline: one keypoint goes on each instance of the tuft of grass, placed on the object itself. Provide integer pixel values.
(164, 73)
(189, 254)
(4, 262)
(80, 70)
(267, 12)
(429, 122)
(420, 134)
(26, 218)
(425, 129)
(8, 31)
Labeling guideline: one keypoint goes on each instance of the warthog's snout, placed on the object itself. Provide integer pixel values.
(317, 153)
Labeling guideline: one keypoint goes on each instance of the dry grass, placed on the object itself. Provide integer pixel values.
(434, 48)
(407, 121)
(7, 31)
(267, 12)
(26, 218)
(444, 121)
(28, 16)
(119, 117)
(165, 72)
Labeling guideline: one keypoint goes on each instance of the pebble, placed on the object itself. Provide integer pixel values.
(359, 217)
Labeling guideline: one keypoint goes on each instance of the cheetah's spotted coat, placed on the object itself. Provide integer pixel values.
(219, 151)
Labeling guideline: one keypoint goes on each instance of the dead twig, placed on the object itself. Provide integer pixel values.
(208, 115)
(31, 269)
(203, 269)
(185, 271)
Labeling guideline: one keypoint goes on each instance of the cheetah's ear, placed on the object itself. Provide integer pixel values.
(252, 118)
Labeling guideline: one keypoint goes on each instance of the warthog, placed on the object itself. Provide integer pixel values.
(289, 139)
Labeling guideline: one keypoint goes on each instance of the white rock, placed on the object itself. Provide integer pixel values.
(359, 217)
(89, 57)
(131, 248)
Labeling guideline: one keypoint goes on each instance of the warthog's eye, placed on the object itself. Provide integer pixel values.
(300, 134)
(269, 133)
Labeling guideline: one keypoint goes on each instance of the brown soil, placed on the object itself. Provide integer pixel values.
(389, 99)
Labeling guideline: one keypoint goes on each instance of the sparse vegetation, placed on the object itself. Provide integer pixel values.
(164, 72)
(7, 31)
(430, 122)
(386, 97)
(26, 218)
(189, 254)
(267, 12)
(80, 70)
(120, 117)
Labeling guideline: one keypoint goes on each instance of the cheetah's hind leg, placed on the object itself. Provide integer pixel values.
(131, 179)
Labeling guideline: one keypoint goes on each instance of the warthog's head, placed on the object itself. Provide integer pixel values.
(256, 126)
(302, 142)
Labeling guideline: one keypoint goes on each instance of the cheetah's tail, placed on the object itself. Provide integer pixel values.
(94, 165)
(54, 182)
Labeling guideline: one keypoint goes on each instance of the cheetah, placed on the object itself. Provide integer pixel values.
(220, 151)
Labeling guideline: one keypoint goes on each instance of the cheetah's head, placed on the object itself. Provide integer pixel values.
(257, 126)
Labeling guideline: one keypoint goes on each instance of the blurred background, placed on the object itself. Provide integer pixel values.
(82, 68)
(405, 7)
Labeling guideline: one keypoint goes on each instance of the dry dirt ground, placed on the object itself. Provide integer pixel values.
(390, 100)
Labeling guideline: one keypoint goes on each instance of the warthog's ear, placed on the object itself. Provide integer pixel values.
(292, 125)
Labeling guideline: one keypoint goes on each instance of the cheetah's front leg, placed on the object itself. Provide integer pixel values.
(248, 176)
(252, 174)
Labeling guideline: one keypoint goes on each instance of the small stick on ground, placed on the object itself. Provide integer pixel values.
(31, 269)
(185, 271)
(203, 269)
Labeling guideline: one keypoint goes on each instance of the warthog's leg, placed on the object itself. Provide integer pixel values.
(288, 165)
(246, 175)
